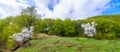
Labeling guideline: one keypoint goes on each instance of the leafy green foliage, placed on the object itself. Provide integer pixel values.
(68, 27)
(24, 20)
(58, 27)
(4, 23)
(37, 25)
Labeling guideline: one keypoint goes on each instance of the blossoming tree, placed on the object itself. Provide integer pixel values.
(23, 36)
(89, 29)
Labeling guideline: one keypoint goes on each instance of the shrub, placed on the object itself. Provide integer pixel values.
(58, 27)
(89, 29)
(68, 27)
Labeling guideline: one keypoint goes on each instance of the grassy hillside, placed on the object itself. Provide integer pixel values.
(65, 44)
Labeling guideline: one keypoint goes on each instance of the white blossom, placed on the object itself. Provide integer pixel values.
(89, 29)
(25, 30)
(25, 34)
(31, 29)
(18, 37)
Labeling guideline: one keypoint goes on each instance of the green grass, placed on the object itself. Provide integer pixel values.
(65, 44)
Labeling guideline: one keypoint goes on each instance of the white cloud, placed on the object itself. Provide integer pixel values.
(80, 8)
(10, 7)
(75, 9)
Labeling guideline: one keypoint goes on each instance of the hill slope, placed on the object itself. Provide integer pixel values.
(65, 44)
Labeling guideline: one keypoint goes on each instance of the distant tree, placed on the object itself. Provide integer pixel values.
(37, 26)
(43, 25)
(26, 18)
(46, 25)
(78, 28)
(58, 27)
(68, 27)
(30, 11)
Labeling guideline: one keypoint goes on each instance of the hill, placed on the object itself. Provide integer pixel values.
(108, 27)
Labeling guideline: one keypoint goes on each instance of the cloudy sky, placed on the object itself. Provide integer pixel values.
(74, 9)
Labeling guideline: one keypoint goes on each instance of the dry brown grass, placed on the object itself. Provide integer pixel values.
(43, 36)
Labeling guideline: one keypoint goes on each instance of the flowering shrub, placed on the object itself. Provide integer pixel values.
(25, 34)
(18, 37)
(89, 29)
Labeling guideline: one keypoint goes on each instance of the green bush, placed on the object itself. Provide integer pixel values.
(10, 44)
(68, 27)
(58, 27)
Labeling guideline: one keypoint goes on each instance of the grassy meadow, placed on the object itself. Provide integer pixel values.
(72, 44)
